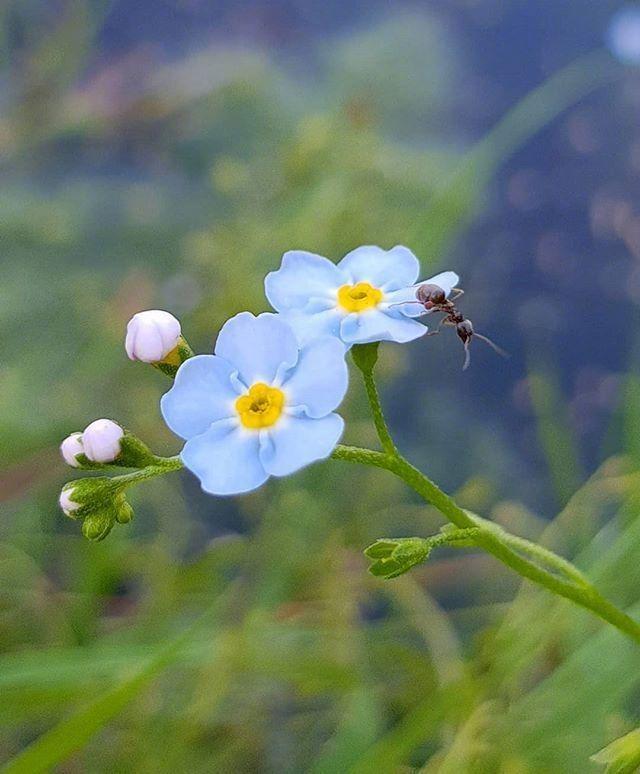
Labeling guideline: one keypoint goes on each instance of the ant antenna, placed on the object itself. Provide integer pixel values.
(492, 344)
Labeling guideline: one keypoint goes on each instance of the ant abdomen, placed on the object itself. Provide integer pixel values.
(430, 295)
(464, 329)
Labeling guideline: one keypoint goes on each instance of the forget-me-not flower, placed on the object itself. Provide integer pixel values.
(359, 300)
(260, 406)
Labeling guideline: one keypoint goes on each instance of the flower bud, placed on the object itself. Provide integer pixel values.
(395, 556)
(101, 440)
(98, 525)
(70, 448)
(124, 512)
(152, 335)
(99, 502)
(68, 505)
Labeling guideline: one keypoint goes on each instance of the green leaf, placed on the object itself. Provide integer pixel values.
(71, 734)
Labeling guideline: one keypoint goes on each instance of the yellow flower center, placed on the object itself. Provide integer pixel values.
(359, 298)
(261, 406)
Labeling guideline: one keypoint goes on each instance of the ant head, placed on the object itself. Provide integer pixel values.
(430, 295)
(464, 330)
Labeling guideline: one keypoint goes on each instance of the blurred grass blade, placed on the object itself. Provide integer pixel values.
(358, 730)
(456, 202)
(622, 756)
(555, 435)
(57, 744)
(394, 748)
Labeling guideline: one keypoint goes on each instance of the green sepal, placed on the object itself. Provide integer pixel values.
(98, 525)
(395, 556)
(134, 453)
(124, 512)
(170, 364)
(102, 503)
(365, 356)
(84, 463)
(91, 494)
(381, 549)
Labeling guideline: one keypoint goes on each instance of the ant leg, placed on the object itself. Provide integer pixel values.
(467, 355)
(493, 346)
(458, 292)
(442, 322)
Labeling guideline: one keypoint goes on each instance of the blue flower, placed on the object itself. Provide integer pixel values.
(369, 296)
(260, 406)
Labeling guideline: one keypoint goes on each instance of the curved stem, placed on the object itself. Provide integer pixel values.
(365, 356)
(528, 559)
(378, 417)
(501, 544)
(161, 466)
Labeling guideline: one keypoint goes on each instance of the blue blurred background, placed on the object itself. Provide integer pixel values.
(164, 155)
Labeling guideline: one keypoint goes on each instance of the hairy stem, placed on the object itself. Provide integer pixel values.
(365, 356)
(528, 559)
(161, 466)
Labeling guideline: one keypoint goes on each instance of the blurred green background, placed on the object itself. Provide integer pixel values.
(164, 155)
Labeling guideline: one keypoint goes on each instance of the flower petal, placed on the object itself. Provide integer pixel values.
(259, 347)
(310, 326)
(447, 280)
(202, 393)
(301, 277)
(377, 326)
(384, 269)
(298, 441)
(225, 458)
(319, 381)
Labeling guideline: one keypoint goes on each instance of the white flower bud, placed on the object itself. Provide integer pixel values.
(151, 335)
(101, 440)
(70, 448)
(66, 503)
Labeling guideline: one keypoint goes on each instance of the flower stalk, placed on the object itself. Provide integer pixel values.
(528, 559)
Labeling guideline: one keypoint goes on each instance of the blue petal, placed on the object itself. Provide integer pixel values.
(319, 381)
(384, 269)
(447, 280)
(375, 325)
(301, 277)
(201, 394)
(259, 347)
(297, 441)
(309, 326)
(225, 458)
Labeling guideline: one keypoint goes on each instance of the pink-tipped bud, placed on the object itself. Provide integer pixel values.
(67, 504)
(70, 448)
(101, 440)
(152, 335)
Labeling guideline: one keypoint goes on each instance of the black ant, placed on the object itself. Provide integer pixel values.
(434, 299)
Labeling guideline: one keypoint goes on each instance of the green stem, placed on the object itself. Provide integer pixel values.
(378, 418)
(161, 466)
(365, 356)
(528, 559)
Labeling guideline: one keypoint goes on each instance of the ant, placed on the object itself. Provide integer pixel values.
(434, 299)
